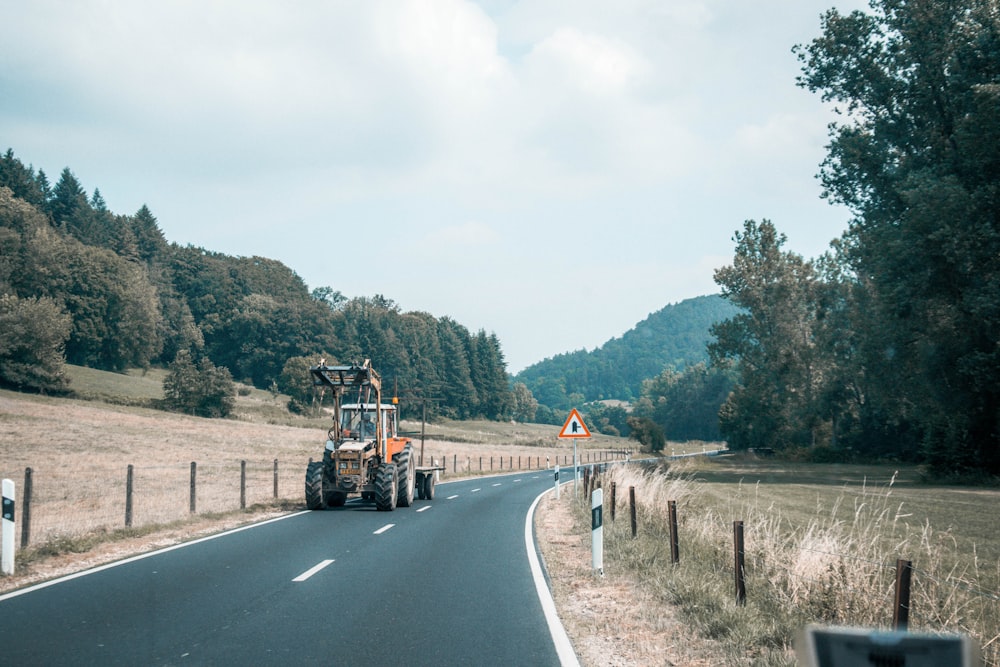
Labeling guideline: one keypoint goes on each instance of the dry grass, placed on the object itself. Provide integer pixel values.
(837, 566)
(79, 452)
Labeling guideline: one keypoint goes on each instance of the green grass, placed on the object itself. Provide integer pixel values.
(135, 387)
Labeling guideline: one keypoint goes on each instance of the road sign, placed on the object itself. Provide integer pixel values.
(574, 426)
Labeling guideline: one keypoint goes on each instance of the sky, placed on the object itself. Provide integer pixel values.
(548, 171)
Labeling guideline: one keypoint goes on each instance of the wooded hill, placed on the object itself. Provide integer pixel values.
(674, 337)
(114, 294)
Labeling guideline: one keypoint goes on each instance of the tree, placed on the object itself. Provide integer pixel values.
(647, 433)
(916, 157)
(296, 382)
(525, 405)
(771, 341)
(31, 348)
(149, 239)
(687, 404)
(201, 389)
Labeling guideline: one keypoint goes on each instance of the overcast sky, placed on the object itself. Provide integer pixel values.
(549, 171)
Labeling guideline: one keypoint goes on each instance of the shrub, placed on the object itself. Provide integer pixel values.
(201, 389)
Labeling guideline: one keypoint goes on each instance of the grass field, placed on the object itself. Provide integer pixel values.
(821, 544)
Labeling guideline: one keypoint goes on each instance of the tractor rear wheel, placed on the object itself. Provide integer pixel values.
(407, 477)
(314, 486)
(386, 486)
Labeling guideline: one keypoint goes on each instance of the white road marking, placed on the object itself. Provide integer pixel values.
(311, 571)
(383, 528)
(516, 481)
(564, 648)
(424, 508)
(497, 484)
(475, 491)
(452, 497)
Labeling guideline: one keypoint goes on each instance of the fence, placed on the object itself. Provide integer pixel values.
(65, 501)
(945, 600)
(454, 464)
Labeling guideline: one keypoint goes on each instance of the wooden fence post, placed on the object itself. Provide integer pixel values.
(193, 501)
(741, 586)
(674, 542)
(128, 497)
(614, 488)
(901, 605)
(631, 504)
(275, 479)
(26, 509)
(243, 485)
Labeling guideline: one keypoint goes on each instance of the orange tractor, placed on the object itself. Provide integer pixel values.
(364, 453)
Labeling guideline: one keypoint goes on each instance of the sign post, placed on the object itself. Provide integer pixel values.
(574, 428)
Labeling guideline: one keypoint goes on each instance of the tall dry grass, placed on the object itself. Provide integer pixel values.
(829, 570)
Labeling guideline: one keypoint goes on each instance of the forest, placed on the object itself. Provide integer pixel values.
(86, 286)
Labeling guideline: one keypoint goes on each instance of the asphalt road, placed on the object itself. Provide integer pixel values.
(444, 582)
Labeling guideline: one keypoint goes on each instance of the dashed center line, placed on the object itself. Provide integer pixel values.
(424, 508)
(311, 571)
(383, 528)
(452, 497)
(497, 484)
(475, 491)
(516, 481)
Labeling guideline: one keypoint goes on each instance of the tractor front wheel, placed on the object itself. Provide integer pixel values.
(386, 486)
(314, 486)
(407, 477)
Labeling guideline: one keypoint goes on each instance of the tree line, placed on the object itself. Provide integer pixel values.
(889, 344)
(83, 285)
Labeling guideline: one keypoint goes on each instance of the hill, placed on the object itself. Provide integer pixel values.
(675, 336)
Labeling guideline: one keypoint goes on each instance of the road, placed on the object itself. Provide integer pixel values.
(445, 582)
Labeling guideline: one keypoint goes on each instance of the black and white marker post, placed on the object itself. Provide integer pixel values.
(7, 534)
(557, 481)
(597, 529)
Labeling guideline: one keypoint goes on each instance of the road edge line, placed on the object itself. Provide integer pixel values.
(564, 647)
(132, 559)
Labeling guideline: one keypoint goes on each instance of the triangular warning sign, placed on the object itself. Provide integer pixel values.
(574, 426)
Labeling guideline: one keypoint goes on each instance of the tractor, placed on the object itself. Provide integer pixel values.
(364, 453)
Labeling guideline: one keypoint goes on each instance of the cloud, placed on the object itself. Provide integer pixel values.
(520, 154)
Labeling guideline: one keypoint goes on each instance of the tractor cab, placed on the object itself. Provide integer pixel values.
(360, 421)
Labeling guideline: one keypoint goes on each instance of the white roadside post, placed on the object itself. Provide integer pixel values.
(597, 529)
(557, 481)
(7, 536)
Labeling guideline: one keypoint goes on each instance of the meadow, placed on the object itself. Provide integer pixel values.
(821, 545)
